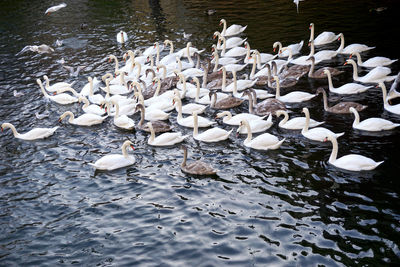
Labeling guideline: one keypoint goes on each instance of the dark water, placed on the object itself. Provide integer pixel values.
(285, 207)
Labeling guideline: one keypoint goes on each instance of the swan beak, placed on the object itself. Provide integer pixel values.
(237, 134)
(309, 43)
(274, 49)
(173, 102)
(2, 129)
(54, 93)
(158, 69)
(59, 120)
(325, 139)
(132, 147)
(350, 56)
(345, 63)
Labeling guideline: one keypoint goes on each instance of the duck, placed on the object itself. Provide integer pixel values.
(294, 48)
(373, 62)
(225, 103)
(86, 119)
(292, 97)
(90, 108)
(297, 123)
(346, 89)
(266, 107)
(211, 135)
(320, 74)
(122, 121)
(158, 126)
(115, 161)
(317, 133)
(62, 99)
(233, 29)
(353, 47)
(227, 117)
(391, 108)
(188, 121)
(257, 126)
(265, 141)
(164, 139)
(34, 134)
(350, 162)
(340, 108)
(375, 75)
(54, 87)
(197, 167)
(322, 38)
(371, 124)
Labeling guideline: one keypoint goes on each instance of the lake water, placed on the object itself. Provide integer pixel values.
(285, 207)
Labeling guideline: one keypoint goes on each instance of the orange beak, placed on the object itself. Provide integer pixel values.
(350, 56)
(274, 49)
(132, 147)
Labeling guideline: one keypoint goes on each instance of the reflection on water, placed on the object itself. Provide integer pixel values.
(282, 207)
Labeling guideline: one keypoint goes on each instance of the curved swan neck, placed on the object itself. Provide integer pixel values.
(195, 124)
(356, 117)
(224, 27)
(340, 48)
(384, 94)
(112, 57)
(335, 148)
(12, 127)
(325, 100)
(124, 148)
(188, 54)
(141, 107)
(359, 61)
(355, 70)
(42, 88)
(285, 118)
(158, 89)
(249, 133)
(307, 115)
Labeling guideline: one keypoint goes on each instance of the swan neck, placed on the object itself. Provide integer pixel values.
(223, 46)
(197, 90)
(12, 127)
(195, 125)
(43, 90)
(340, 48)
(355, 70)
(312, 33)
(285, 119)
(213, 100)
(179, 103)
(205, 77)
(116, 110)
(312, 48)
(223, 86)
(311, 71)
(330, 83)
(251, 103)
(325, 100)
(234, 83)
(158, 88)
(278, 90)
(307, 124)
(184, 157)
(253, 68)
(124, 149)
(141, 116)
(249, 133)
(334, 152)
(359, 61)
(356, 118)
(152, 133)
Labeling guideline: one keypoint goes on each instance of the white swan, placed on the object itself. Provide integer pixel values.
(227, 117)
(62, 99)
(391, 108)
(292, 97)
(153, 112)
(297, 123)
(264, 141)
(188, 121)
(115, 161)
(295, 48)
(191, 91)
(122, 37)
(122, 121)
(354, 47)
(317, 133)
(263, 57)
(238, 85)
(233, 29)
(230, 42)
(376, 75)
(327, 54)
(237, 51)
(93, 108)
(302, 60)
(54, 87)
(350, 162)
(190, 107)
(257, 126)
(346, 89)
(91, 86)
(222, 60)
(35, 133)
(322, 38)
(165, 139)
(371, 124)
(372, 62)
(211, 135)
(86, 119)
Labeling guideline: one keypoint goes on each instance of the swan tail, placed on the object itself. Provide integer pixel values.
(339, 135)
(277, 145)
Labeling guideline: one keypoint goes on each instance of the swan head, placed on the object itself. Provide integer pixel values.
(280, 112)
(305, 110)
(65, 114)
(139, 107)
(222, 21)
(39, 82)
(329, 138)
(311, 26)
(326, 71)
(353, 110)
(349, 61)
(223, 114)
(128, 143)
(5, 125)
(320, 90)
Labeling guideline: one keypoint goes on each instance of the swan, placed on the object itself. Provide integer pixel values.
(238, 85)
(188, 121)
(56, 86)
(86, 119)
(227, 117)
(317, 133)
(292, 97)
(393, 93)
(152, 49)
(122, 121)
(183, 52)
(222, 60)
(302, 60)
(54, 8)
(210, 135)
(115, 161)
(153, 111)
(122, 37)
(264, 141)
(158, 126)
(342, 107)
(93, 108)
(197, 167)
(327, 54)
(350, 162)
(320, 74)
(266, 107)
(115, 59)
(171, 57)
(375, 75)
(372, 124)
(35, 133)
(263, 57)
(354, 47)
(323, 37)
(62, 99)
(230, 43)
(233, 29)
(165, 139)
(116, 89)
(91, 87)
(295, 48)
(191, 107)
(43, 48)
(225, 103)
(297, 123)
(257, 126)
(373, 62)
(391, 108)
(237, 51)
(346, 89)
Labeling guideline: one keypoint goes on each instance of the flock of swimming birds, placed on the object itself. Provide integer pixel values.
(154, 85)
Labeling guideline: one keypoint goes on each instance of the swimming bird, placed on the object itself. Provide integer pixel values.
(72, 71)
(115, 161)
(54, 8)
(18, 94)
(35, 133)
(197, 167)
(297, 4)
(122, 37)
(43, 48)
